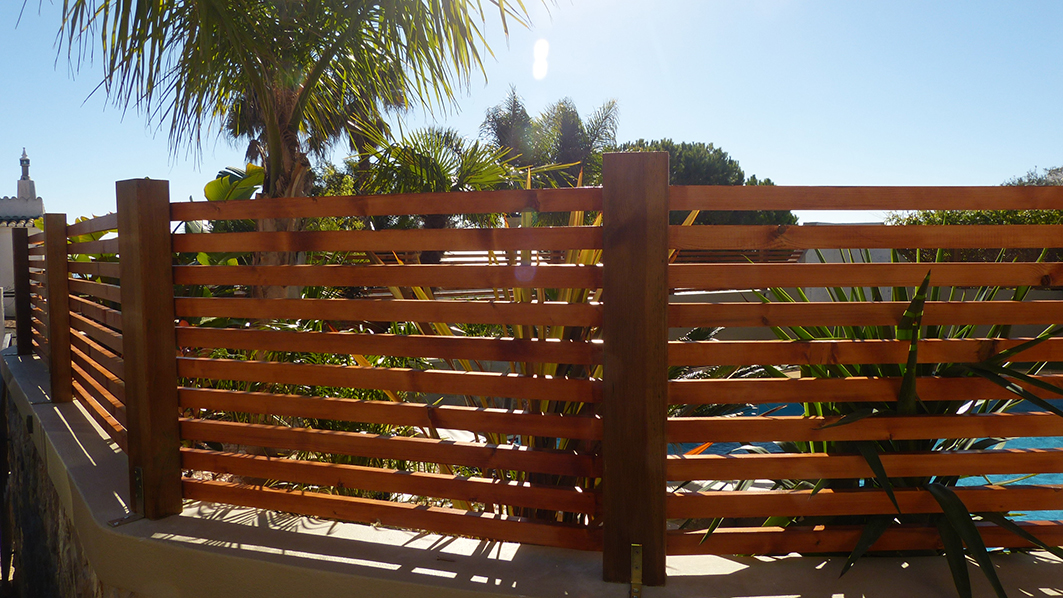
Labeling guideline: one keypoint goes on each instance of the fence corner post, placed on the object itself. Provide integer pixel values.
(57, 284)
(21, 265)
(148, 336)
(635, 332)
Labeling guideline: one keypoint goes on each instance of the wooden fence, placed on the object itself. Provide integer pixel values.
(540, 414)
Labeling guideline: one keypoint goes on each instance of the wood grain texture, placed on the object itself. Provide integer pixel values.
(435, 275)
(20, 264)
(846, 351)
(110, 425)
(106, 400)
(99, 290)
(57, 288)
(112, 318)
(378, 446)
(421, 415)
(111, 383)
(485, 384)
(763, 276)
(473, 202)
(887, 313)
(842, 466)
(447, 347)
(864, 198)
(99, 354)
(446, 239)
(408, 515)
(827, 502)
(635, 332)
(150, 369)
(829, 390)
(107, 222)
(106, 269)
(470, 489)
(93, 247)
(101, 334)
(395, 310)
(779, 541)
(771, 428)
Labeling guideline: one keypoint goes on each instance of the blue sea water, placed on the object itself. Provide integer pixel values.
(724, 448)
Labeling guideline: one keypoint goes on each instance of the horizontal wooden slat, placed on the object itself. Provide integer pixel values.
(842, 236)
(111, 318)
(472, 202)
(864, 198)
(39, 276)
(106, 269)
(763, 276)
(99, 290)
(104, 246)
(111, 383)
(828, 390)
(767, 429)
(101, 334)
(39, 290)
(98, 224)
(399, 414)
(447, 347)
(395, 310)
(106, 421)
(863, 313)
(40, 327)
(843, 466)
(476, 490)
(40, 346)
(36, 250)
(775, 540)
(827, 502)
(35, 238)
(104, 399)
(435, 519)
(98, 353)
(846, 351)
(448, 239)
(374, 446)
(484, 384)
(436, 275)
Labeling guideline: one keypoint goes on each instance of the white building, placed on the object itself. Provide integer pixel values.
(16, 212)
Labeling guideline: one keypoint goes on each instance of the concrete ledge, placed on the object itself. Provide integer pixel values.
(217, 550)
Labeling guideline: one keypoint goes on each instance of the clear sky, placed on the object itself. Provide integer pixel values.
(803, 92)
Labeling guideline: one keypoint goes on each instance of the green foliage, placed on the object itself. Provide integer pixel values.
(705, 164)
(558, 136)
(299, 76)
(235, 184)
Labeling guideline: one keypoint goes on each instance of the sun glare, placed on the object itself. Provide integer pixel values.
(539, 66)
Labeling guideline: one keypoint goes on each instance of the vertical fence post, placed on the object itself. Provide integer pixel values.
(21, 264)
(149, 343)
(58, 286)
(635, 331)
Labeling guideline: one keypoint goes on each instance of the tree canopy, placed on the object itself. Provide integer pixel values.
(706, 164)
(293, 75)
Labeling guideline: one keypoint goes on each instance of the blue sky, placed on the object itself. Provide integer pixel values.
(806, 93)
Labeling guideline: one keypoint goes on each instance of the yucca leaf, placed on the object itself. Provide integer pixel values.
(999, 380)
(849, 418)
(961, 578)
(870, 453)
(873, 530)
(960, 520)
(908, 329)
(715, 523)
(820, 485)
(1006, 354)
(1011, 526)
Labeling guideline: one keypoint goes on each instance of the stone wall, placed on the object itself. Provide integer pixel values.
(48, 560)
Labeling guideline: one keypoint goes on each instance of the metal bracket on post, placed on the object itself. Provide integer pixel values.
(138, 490)
(636, 571)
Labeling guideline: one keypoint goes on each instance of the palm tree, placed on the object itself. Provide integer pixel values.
(302, 68)
(293, 75)
(557, 136)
